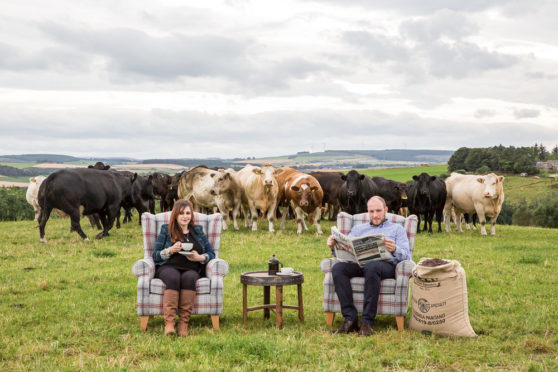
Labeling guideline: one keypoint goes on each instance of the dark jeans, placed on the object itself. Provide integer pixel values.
(374, 272)
(177, 279)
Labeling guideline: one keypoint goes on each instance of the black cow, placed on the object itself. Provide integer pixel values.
(393, 192)
(331, 183)
(68, 189)
(161, 184)
(427, 197)
(356, 190)
(172, 195)
(99, 165)
(142, 195)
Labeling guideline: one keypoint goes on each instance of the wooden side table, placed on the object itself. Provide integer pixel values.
(262, 278)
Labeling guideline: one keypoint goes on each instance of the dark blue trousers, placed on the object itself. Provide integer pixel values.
(374, 272)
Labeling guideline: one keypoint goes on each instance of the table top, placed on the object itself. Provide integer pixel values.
(263, 278)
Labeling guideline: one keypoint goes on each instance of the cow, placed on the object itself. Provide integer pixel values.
(331, 183)
(427, 196)
(172, 194)
(32, 192)
(161, 184)
(356, 190)
(100, 166)
(392, 192)
(228, 194)
(483, 195)
(260, 192)
(67, 189)
(303, 194)
(142, 195)
(197, 185)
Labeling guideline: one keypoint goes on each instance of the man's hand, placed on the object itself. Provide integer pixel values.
(330, 241)
(389, 245)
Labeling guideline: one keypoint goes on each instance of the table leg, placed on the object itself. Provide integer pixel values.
(266, 291)
(279, 306)
(300, 307)
(245, 302)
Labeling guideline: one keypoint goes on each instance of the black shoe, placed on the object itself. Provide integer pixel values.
(347, 327)
(365, 330)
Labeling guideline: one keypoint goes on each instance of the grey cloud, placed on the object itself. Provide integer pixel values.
(195, 134)
(511, 7)
(444, 23)
(526, 113)
(483, 113)
(379, 47)
(61, 59)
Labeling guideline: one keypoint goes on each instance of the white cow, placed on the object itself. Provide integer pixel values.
(483, 195)
(260, 192)
(33, 192)
(228, 194)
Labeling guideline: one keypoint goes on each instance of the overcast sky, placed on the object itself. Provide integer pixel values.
(238, 78)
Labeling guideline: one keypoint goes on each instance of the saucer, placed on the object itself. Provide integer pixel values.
(284, 274)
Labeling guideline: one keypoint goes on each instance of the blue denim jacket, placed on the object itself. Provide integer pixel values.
(164, 241)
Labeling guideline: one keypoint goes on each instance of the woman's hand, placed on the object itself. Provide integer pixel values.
(196, 257)
(176, 247)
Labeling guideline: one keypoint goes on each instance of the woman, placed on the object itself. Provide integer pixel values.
(180, 271)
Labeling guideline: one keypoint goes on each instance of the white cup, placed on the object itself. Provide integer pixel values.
(287, 270)
(187, 246)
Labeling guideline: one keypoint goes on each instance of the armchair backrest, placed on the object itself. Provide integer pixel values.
(151, 226)
(345, 223)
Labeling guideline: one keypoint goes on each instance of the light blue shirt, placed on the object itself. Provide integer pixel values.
(392, 231)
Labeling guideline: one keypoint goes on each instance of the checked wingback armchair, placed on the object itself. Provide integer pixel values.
(209, 289)
(394, 293)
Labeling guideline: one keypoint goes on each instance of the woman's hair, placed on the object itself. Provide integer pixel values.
(174, 228)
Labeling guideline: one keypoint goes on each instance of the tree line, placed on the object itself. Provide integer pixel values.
(501, 159)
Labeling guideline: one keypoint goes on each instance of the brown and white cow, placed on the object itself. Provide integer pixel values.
(304, 194)
(471, 193)
(260, 192)
(197, 185)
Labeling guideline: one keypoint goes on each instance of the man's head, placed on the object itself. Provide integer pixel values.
(377, 210)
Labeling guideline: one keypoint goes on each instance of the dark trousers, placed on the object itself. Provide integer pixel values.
(177, 279)
(374, 272)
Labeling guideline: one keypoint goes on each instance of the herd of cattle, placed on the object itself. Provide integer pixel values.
(100, 192)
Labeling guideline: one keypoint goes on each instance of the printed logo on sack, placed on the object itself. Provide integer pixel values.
(423, 305)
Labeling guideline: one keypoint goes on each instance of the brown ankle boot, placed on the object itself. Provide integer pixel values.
(170, 304)
(186, 304)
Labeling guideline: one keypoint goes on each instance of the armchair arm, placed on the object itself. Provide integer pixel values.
(327, 264)
(216, 267)
(144, 268)
(403, 272)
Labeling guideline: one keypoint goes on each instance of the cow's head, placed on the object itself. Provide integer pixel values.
(100, 166)
(423, 183)
(493, 187)
(304, 194)
(402, 188)
(221, 182)
(267, 173)
(353, 181)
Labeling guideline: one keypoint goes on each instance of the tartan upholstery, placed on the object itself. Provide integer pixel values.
(209, 290)
(394, 293)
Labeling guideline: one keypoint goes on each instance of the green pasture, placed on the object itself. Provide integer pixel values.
(405, 174)
(71, 305)
(517, 189)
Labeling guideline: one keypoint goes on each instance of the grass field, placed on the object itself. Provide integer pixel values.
(70, 305)
(405, 174)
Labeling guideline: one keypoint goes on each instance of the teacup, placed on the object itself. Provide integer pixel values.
(187, 246)
(287, 270)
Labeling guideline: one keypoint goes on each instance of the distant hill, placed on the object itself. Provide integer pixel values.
(38, 158)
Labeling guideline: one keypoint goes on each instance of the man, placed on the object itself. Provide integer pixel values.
(374, 272)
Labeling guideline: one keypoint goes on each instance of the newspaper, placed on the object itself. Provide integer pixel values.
(360, 250)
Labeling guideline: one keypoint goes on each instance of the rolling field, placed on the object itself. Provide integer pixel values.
(70, 305)
(405, 174)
